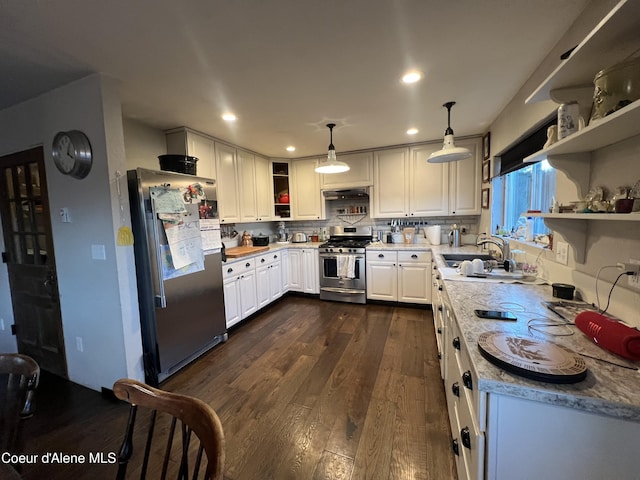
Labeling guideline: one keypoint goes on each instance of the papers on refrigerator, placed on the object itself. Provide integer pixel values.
(184, 237)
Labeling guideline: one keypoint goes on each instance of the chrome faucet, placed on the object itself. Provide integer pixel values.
(500, 242)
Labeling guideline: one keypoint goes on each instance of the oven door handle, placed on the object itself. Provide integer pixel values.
(345, 291)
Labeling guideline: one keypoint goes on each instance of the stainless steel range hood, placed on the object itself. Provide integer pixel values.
(347, 194)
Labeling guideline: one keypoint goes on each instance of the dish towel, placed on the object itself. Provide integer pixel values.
(347, 266)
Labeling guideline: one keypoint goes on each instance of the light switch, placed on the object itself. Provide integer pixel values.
(64, 215)
(98, 252)
(562, 252)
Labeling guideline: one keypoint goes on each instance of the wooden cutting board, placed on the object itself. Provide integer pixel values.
(235, 252)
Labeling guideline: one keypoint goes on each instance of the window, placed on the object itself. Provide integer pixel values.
(530, 188)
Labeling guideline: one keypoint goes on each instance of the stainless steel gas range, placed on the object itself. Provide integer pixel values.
(342, 265)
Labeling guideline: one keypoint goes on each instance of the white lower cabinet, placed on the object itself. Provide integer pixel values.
(501, 437)
(399, 276)
(240, 294)
(268, 278)
(303, 270)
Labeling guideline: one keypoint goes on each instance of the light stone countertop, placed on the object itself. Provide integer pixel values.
(608, 389)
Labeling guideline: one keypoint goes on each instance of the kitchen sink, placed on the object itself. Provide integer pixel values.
(454, 260)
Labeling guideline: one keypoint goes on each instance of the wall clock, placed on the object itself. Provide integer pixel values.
(71, 153)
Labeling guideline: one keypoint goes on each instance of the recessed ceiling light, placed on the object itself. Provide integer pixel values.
(412, 131)
(229, 117)
(291, 148)
(412, 76)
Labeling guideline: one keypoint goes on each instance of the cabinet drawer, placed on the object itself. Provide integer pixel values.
(466, 375)
(233, 269)
(412, 256)
(267, 258)
(382, 256)
(472, 442)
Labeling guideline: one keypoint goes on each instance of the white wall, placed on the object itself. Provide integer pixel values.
(143, 144)
(98, 298)
(606, 242)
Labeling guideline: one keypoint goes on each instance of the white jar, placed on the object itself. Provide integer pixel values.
(568, 119)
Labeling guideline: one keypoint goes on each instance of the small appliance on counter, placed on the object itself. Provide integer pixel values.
(260, 240)
(299, 237)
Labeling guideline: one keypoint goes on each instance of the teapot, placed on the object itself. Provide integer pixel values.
(246, 239)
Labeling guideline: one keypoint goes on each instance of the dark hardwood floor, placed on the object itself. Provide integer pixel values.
(305, 390)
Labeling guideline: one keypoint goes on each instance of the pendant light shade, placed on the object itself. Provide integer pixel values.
(449, 152)
(331, 164)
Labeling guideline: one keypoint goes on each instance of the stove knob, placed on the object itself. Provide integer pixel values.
(331, 250)
(340, 250)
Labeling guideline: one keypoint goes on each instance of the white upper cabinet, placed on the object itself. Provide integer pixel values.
(465, 181)
(406, 185)
(390, 179)
(306, 197)
(187, 142)
(428, 183)
(227, 183)
(360, 173)
(254, 191)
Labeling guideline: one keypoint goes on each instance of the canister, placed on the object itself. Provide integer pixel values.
(568, 119)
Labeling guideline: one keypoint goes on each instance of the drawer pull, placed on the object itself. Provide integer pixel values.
(439, 330)
(439, 356)
(456, 343)
(455, 388)
(438, 277)
(262, 260)
(380, 255)
(439, 308)
(440, 288)
(247, 264)
(414, 256)
(467, 379)
(229, 270)
(455, 447)
(275, 256)
(466, 437)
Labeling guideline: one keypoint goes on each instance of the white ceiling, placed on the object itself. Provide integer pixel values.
(288, 67)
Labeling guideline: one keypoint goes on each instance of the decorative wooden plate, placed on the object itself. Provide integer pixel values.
(532, 358)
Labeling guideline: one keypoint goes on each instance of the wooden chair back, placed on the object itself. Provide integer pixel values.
(182, 455)
(19, 377)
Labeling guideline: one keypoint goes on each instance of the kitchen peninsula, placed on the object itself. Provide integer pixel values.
(504, 423)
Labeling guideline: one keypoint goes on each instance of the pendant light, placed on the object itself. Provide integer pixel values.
(449, 152)
(331, 164)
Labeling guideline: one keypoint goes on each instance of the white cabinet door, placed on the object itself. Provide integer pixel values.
(295, 270)
(360, 173)
(310, 280)
(264, 189)
(284, 259)
(414, 282)
(390, 179)
(306, 197)
(227, 186)
(382, 283)
(263, 288)
(275, 281)
(231, 289)
(465, 181)
(428, 184)
(186, 142)
(248, 293)
(202, 147)
(246, 172)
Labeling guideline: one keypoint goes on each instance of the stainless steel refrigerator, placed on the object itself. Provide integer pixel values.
(178, 272)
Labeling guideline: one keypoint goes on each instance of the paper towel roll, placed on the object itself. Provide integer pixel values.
(433, 234)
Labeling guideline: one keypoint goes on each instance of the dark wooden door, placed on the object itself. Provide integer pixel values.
(24, 207)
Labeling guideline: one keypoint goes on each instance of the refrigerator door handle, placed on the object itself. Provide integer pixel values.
(223, 253)
(159, 297)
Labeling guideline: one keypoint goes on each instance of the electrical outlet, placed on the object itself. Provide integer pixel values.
(79, 345)
(633, 281)
(562, 252)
